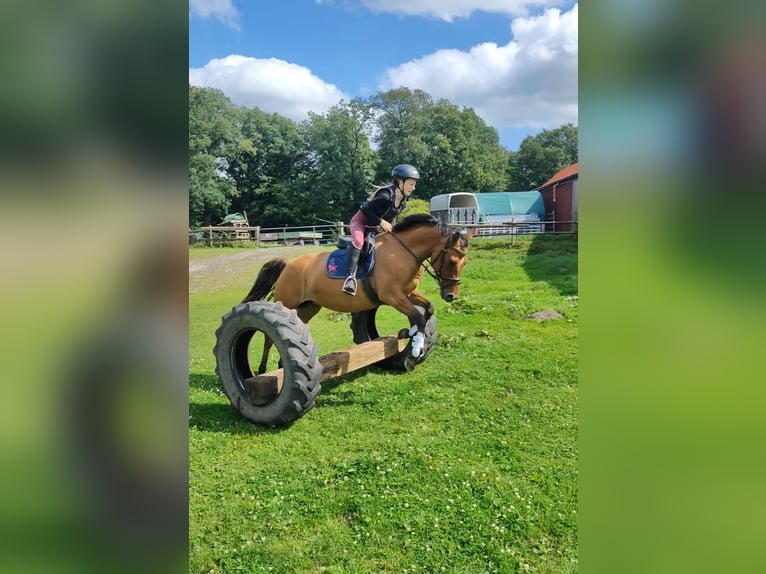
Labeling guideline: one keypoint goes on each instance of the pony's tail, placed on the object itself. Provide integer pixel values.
(267, 278)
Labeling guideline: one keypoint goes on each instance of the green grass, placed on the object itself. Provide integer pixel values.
(466, 465)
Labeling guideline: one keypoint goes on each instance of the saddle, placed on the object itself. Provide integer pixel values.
(337, 262)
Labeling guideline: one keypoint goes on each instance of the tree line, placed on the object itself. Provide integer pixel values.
(282, 172)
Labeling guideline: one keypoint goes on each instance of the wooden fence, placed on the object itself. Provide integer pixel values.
(328, 234)
(265, 236)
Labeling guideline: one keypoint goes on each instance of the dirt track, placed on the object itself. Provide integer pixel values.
(218, 271)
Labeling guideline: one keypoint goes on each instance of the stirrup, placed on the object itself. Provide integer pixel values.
(349, 286)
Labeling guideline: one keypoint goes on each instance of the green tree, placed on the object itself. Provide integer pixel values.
(402, 122)
(341, 163)
(465, 152)
(265, 166)
(279, 172)
(453, 148)
(541, 156)
(415, 206)
(212, 134)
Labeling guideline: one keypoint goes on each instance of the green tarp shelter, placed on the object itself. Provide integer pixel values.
(234, 217)
(511, 203)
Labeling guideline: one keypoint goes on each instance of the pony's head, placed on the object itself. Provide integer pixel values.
(448, 262)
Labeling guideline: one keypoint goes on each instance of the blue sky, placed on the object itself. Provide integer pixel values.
(513, 61)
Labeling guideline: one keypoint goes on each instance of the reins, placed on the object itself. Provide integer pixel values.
(437, 276)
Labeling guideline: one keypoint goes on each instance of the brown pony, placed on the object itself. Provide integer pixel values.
(302, 283)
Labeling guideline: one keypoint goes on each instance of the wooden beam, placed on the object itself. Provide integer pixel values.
(263, 388)
(360, 356)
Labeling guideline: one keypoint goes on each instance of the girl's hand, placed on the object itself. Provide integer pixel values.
(385, 225)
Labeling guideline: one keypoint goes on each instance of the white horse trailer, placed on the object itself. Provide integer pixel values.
(455, 208)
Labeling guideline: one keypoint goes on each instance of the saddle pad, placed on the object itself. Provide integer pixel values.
(337, 264)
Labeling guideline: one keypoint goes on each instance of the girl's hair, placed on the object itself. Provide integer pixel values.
(378, 188)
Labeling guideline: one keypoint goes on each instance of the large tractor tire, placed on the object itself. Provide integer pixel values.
(298, 357)
(364, 328)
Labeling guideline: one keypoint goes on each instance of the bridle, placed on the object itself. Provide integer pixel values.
(433, 272)
(441, 279)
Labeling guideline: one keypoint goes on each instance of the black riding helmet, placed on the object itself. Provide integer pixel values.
(405, 171)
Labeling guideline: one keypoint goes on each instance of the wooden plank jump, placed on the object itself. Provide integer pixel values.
(263, 388)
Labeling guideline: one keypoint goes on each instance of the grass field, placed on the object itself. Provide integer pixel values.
(466, 465)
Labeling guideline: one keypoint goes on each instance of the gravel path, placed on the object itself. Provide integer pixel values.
(218, 271)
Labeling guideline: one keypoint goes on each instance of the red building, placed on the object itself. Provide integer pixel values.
(560, 198)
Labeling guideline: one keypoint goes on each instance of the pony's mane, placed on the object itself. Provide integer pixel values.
(415, 219)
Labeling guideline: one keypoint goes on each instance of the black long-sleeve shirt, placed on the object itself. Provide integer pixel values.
(382, 205)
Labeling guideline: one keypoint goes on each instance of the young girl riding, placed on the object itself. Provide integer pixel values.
(380, 209)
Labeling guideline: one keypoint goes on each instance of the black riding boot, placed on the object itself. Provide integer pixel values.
(349, 285)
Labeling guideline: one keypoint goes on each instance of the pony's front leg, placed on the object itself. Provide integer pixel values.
(402, 303)
(417, 298)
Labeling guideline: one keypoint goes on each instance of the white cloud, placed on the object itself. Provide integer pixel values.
(451, 9)
(272, 85)
(222, 10)
(530, 82)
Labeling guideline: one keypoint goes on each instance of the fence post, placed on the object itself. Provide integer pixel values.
(257, 235)
(340, 228)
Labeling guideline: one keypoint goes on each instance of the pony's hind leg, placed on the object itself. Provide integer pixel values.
(267, 344)
(305, 312)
